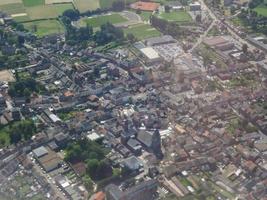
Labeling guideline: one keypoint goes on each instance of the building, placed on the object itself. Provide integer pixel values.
(219, 43)
(165, 39)
(145, 6)
(151, 55)
(133, 164)
(145, 190)
(195, 6)
(226, 2)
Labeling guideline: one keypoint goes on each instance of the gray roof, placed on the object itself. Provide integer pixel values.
(145, 137)
(40, 151)
(132, 163)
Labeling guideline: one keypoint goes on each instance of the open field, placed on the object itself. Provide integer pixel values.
(108, 3)
(100, 20)
(85, 5)
(180, 16)
(145, 15)
(142, 31)
(6, 75)
(5, 2)
(13, 8)
(29, 3)
(261, 10)
(47, 11)
(44, 27)
(57, 1)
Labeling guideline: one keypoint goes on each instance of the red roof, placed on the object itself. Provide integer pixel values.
(146, 6)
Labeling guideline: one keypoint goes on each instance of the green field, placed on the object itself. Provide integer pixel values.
(85, 5)
(145, 15)
(13, 8)
(44, 27)
(47, 11)
(29, 3)
(108, 3)
(142, 31)
(100, 20)
(180, 16)
(261, 10)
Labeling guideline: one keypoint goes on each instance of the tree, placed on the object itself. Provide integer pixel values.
(92, 168)
(118, 6)
(88, 183)
(71, 14)
(245, 48)
(167, 9)
(15, 137)
(131, 38)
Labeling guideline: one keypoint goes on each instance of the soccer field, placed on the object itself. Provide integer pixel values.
(44, 27)
(142, 31)
(100, 20)
(85, 5)
(176, 16)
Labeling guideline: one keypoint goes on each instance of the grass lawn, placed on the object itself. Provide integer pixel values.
(145, 15)
(85, 5)
(33, 2)
(4, 139)
(179, 16)
(13, 8)
(44, 27)
(108, 3)
(100, 20)
(21, 18)
(142, 31)
(261, 10)
(47, 11)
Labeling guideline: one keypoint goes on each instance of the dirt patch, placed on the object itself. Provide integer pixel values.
(6, 75)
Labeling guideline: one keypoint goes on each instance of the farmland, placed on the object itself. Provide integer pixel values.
(85, 5)
(29, 3)
(12, 8)
(108, 3)
(100, 20)
(142, 31)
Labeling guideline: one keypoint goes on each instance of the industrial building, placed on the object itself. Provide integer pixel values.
(151, 55)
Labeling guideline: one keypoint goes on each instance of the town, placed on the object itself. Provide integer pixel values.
(133, 100)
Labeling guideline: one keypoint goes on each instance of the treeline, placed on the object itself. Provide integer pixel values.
(258, 23)
(166, 27)
(75, 35)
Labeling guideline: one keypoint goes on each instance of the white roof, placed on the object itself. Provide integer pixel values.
(93, 136)
(54, 118)
(150, 53)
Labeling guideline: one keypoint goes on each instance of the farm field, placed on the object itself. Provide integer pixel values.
(142, 31)
(4, 2)
(44, 27)
(108, 3)
(29, 3)
(47, 11)
(180, 16)
(85, 5)
(100, 20)
(13, 8)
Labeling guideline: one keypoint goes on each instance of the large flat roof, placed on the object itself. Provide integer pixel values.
(150, 53)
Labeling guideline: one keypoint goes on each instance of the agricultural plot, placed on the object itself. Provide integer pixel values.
(108, 3)
(100, 20)
(29, 3)
(5, 2)
(57, 1)
(180, 16)
(47, 11)
(142, 31)
(44, 27)
(85, 5)
(13, 8)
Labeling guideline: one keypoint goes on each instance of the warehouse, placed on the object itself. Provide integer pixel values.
(151, 55)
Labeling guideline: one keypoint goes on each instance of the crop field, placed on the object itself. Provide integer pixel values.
(4, 2)
(142, 31)
(180, 16)
(57, 1)
(44, 27)
(47, 11)
(108, 3)
(13, 8)
(100, 20)
(85, 5)
(29, 3)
